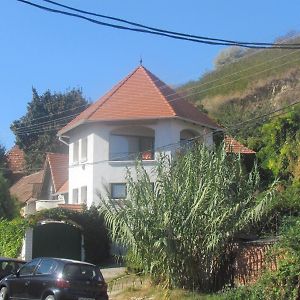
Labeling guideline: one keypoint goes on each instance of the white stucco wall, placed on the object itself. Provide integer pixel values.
(98, 172)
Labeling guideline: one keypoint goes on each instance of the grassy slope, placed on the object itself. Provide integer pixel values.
(258, 83)
(236, 77)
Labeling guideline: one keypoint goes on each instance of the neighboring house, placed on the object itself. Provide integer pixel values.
(233, 146)
(27, 188)
(16, 163)
(47, 188)
(139, 118)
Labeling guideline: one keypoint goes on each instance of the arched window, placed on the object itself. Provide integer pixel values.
(188, 138)
(131, 143)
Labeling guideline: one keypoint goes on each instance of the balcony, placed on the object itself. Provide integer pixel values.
(132, 143)
(34, 206)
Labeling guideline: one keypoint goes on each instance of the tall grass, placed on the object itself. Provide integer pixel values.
(181, 230)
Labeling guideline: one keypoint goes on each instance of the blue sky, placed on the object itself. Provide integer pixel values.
(49, 51)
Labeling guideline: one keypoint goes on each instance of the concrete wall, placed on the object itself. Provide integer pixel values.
(98, 172)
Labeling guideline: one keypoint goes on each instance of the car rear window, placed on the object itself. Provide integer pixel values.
(82, 272)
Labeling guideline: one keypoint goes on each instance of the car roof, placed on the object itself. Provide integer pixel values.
(66, 260)
(12, 259)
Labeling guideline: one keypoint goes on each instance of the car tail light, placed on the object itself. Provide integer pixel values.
(103, 286)
(61, 283)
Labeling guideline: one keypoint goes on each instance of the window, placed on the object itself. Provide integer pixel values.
(84, 149)
(118, 190)
(75, 196)
(84, 194)
(29, 268)
(126, 147)
(76, 152)
(47, 266)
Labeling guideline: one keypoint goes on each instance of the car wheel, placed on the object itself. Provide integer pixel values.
(3, 294)
(49, 297)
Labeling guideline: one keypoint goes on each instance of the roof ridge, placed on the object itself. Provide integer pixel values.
(112, 91)
(149, 74)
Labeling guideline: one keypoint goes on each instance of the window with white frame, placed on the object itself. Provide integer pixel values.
(83, 196)
(76, 152)
(84, 149)
(75, 196)
(118, 190)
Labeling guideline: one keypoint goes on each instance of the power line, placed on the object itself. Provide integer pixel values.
(163, 30)
(179, 37)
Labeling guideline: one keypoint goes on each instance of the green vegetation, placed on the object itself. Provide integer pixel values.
(8, 204)
(181, 231)
(11, 236)
(36, 131)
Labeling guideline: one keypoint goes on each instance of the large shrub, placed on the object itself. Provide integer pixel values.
(180, 230)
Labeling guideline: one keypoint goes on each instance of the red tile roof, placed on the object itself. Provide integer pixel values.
(59, 168)
(24, 188)
(233, 146)
(64, 188)
(141, 95)
(16, 159)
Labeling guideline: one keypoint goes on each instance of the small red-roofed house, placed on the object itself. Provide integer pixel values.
(16, 163)
(140, 117)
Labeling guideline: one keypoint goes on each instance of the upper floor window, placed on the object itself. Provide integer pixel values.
(84, 149)
(131, 143)
(75, 151)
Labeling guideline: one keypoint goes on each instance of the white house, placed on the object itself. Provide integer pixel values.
(139, 117)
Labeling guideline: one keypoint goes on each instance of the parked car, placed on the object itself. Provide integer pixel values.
(9, 266)
(55, 279)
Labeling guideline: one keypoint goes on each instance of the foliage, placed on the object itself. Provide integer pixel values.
(181, 231)
(8, 204)
(280, 145)
(11, 236)
(97, 244)
(3, 162)
(46, 114)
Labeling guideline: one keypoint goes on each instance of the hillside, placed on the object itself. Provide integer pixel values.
(261, 81)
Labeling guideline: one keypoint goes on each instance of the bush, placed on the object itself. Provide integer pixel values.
(11, 236)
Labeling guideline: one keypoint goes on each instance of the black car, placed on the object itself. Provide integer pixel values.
(55, 279)
(9, 266)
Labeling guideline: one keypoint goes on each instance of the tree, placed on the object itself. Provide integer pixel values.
(279, 146)
(46, 114)
(3, 161)
(182, 229)
(8, 206)
(229, 55)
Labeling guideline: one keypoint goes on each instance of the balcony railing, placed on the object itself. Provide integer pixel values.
(38, 205)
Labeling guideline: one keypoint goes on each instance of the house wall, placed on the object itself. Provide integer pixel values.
(97, 173)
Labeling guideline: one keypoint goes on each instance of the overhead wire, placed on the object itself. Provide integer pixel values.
(163, 30)
(178, 37)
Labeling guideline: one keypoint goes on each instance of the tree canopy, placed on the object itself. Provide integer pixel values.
(36, 131)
